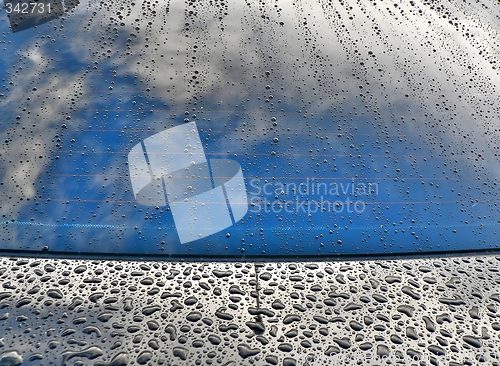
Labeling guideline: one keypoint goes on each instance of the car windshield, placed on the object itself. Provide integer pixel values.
(226, 129)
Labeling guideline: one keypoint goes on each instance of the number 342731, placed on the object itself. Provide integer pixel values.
(27, 8)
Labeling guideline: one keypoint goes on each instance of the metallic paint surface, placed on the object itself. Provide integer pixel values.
(80, 312)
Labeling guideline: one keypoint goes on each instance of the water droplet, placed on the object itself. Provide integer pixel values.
(92, 329)
(152, 325)
(89, 353)
(80, 269)
(194, 316)
(409, 291)
(290, 318)
(320, 319)
(148, 310)
(256, 327)
(429, 324)
(292, 333)
(415, 355)
(288, 361)
(473, 341)
(379, 298)
(153, 343)
(406, 309)
(345, 343)
(396, 339)
(4, 295)
(332, 350)
(273, 360)
(181, 352)
(236, 290)
(214, 339)
(355, 325)
(246, 351)
(121, 359)
(96, 296)
(457, 300)
(10, 358)
(77, 301)
(23, 301)
(198, 343)
(352, 306)
(55, 294)
(438, 351)
(220, 274)
(33, 357)
(383, 350)
(144, 357)
(104, 317)
(221, 314)
(171, 331)
(285, 347)
(365, 346)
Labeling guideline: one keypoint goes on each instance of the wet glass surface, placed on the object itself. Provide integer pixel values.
(222, 130)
